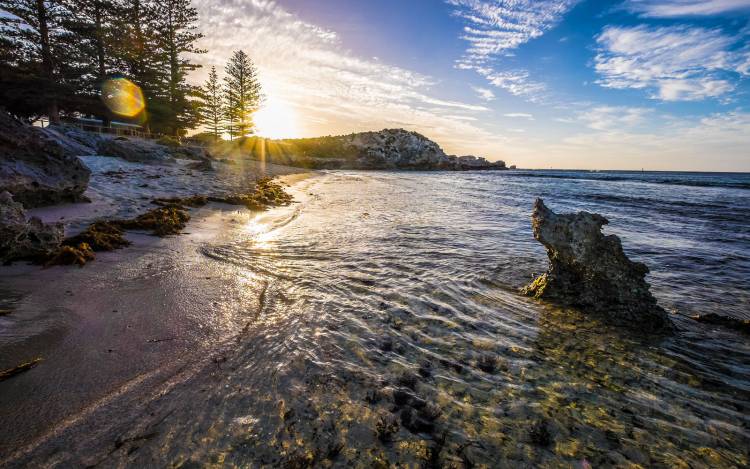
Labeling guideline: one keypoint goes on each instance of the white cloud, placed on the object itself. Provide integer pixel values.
(673, 8)
(677, 63)
(484, 94)
(519, 115)
(613, 118)
(515, 82)
(497, 27)
(336, 91)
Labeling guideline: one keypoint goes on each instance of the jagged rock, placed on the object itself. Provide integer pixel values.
(22, 238)
(74, 141)
(87, 140)
(35, 168)
(591, 271)
(135, 150)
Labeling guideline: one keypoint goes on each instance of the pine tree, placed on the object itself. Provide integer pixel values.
(212, 107)
(243, 93)
(176, 23)
(94, 31)
(138, 48)
(43, 61)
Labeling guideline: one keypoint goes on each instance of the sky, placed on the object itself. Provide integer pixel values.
(588, 84)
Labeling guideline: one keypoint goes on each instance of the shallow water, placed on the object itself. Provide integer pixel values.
(389, 329)
(392, 304)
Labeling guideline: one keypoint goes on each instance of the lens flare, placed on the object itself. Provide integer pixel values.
(123, 97)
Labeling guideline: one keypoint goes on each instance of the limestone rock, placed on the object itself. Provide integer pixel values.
(74, 141)
(22, 238)
(35, 168)
(591, 271)
(386, 149)
(470, 162)
(135, 150)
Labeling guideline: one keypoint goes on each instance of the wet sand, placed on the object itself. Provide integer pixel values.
(121, 330)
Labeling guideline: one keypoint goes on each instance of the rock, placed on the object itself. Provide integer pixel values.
(36, 169)
(190, 153)
(74, 141)
(135, 150)
(470, 162)
(201, 165)
(386, 149)
(739, 325)
(401, 149)
(22, 238)
(591, 271)
(89, 140)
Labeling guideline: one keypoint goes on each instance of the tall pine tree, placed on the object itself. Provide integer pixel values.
(176, 23)
(212, 106)
(94, 27)
(243, 93)
(138, 50)
(43, 63)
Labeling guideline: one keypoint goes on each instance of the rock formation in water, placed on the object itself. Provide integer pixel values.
(35, 168)
(22, 238)
(590, 271)
(386, 149)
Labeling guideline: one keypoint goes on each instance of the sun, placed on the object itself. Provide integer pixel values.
(276, 119)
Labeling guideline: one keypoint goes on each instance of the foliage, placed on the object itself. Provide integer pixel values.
(212, 107)
(55, 54)
(242, 94)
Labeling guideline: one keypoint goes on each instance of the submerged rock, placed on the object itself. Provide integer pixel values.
(22, 238)
(739, 325)
(37, 169)
(591, 271)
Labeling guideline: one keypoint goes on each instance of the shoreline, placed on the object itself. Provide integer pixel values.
(299, 334)
(137, 318)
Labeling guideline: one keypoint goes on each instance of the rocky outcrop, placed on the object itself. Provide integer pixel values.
(400, 149)
(35, 168)
(386, 149)
(135, 150)
(392, 149)
(75, 142)
(474, 163)
(590, 271)
(22, 238)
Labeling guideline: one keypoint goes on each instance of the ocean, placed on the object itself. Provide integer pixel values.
(394, 302)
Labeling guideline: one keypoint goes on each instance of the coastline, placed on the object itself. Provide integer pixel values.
(137, 318)
(361, 325)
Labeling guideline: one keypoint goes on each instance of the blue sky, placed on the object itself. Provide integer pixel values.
(658, 84)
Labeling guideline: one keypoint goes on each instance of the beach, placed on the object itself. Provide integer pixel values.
(370, 322)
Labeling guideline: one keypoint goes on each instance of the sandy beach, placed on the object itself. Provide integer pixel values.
(127, 326)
